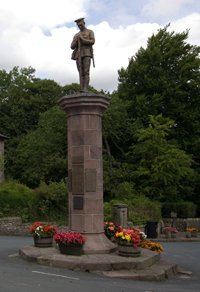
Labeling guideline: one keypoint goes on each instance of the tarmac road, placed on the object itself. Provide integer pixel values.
(18, 275)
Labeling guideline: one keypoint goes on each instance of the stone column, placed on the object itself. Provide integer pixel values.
(85, 168)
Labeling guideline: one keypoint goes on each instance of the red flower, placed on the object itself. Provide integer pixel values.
(40, 229)
(69, 237)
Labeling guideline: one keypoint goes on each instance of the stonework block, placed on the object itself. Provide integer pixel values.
(93, 205)
(92, 137)
(77, 222)
(77, 137)
(95, 152)
(70, 180)
(94, 122)
(77, 159)
(83, 150)
(88, 223)
(78, 179)
(90, 180)
(98, 221)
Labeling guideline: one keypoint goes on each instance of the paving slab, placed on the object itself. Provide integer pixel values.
(160, 271)
(149, 266)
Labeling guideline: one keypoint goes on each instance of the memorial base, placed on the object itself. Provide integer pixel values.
(98, 244)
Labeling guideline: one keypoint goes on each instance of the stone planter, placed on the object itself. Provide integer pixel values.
(70, 249)
(128, 250)
(43, 241)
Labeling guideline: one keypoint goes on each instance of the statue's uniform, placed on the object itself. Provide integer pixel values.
(83, 52)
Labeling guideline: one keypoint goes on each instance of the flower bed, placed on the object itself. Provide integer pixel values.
(40, 229)
(110, 229)
(70, 243)
(128, 236)
(151, 245)
(69, 238)
(131, 237)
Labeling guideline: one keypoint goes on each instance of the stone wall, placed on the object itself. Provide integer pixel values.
(182, 224)
(13, 226)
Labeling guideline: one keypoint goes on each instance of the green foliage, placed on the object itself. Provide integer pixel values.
(47, 202)
(52, 201)
(164, 79)
(123, 190)
(41, 154)
(22, 99)
(140, 209)
(183, 209)
(116, 127)
(74, 87)
(16, 200)
(159, 168)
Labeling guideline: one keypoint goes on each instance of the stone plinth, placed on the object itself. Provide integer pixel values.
(85, 169)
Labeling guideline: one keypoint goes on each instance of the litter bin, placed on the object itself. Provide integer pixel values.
(120, 214)
(151, 229)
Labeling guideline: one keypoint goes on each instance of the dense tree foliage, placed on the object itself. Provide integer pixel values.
(159, 168)
(41, 154)
(22, 99)
(162, 79)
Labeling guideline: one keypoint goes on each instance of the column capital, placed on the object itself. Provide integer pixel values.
(84, 103)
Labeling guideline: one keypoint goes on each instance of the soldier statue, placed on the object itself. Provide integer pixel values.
(83, 53)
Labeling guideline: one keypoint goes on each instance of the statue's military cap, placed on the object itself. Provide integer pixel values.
(79, 20)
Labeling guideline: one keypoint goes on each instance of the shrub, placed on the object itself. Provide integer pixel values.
(52, 200)
(143, 209)
(183, 209)
(123, 189)
(140, 209)
(16, 200)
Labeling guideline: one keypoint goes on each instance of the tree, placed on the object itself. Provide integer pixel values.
(160, 169)
(41, 154)
(22, 98)
(164, 79)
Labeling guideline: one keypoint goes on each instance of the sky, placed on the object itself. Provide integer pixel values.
(38, 33)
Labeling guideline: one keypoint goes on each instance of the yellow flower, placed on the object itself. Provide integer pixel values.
(128, 237)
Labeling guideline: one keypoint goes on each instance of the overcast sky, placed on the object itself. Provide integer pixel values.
(38, 33)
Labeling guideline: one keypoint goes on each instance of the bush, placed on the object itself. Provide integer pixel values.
(52, 201)
(183, 209)
(140, 209)
(122, 190)
(16, 200)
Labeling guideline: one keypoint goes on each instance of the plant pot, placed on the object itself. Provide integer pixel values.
(43, 241)
(128, 250)
(71, 249)
(194, 234)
